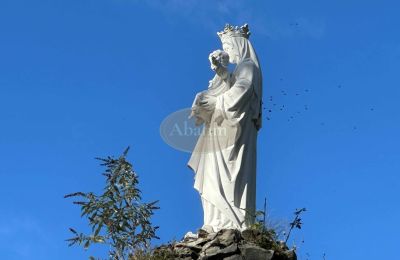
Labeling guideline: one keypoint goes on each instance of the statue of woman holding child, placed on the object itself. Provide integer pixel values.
(224, 159)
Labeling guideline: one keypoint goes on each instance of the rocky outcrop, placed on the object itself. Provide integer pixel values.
(227, 244)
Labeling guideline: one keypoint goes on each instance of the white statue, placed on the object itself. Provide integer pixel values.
(224, 159)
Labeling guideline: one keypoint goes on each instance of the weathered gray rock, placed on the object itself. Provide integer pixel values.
(212, 236)
(212, 251)
(183, 251)
(197, 243)
(285, 255)
(218, 253)
(228, 236)
(202, 233)
(234, 257)
(253, 252)
(214, 242)
(229, 250)
(250, 235)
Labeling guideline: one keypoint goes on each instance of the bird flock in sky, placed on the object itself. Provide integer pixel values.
(275, 105)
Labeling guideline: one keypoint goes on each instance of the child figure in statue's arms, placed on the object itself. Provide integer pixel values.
(202, 110)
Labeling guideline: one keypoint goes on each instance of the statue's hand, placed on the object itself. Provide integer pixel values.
(208, 102)
(222, 72)
(219, 118)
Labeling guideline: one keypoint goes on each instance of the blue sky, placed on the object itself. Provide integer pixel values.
(82, 79)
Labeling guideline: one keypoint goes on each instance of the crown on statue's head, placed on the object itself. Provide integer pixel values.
(235, 31)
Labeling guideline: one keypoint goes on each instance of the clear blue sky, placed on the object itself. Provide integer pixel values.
(86, 78)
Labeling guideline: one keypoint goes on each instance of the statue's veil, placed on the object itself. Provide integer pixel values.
(246, 52)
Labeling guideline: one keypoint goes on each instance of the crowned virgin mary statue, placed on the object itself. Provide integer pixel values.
(224, 158)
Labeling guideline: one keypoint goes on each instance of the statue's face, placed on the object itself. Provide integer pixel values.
(224, 59)
(228, 48)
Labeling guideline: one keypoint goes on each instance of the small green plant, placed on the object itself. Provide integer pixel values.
(262, 234)
(296, 222)
(118, 217)
(267, 235)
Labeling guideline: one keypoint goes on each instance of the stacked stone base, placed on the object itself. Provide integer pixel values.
(227, 244)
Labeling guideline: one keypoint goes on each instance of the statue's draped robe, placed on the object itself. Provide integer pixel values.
(225, 162)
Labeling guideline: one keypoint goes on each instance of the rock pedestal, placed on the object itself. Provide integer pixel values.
(228, 244)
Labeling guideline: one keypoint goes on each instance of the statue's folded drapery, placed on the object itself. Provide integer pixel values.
(224, 159)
